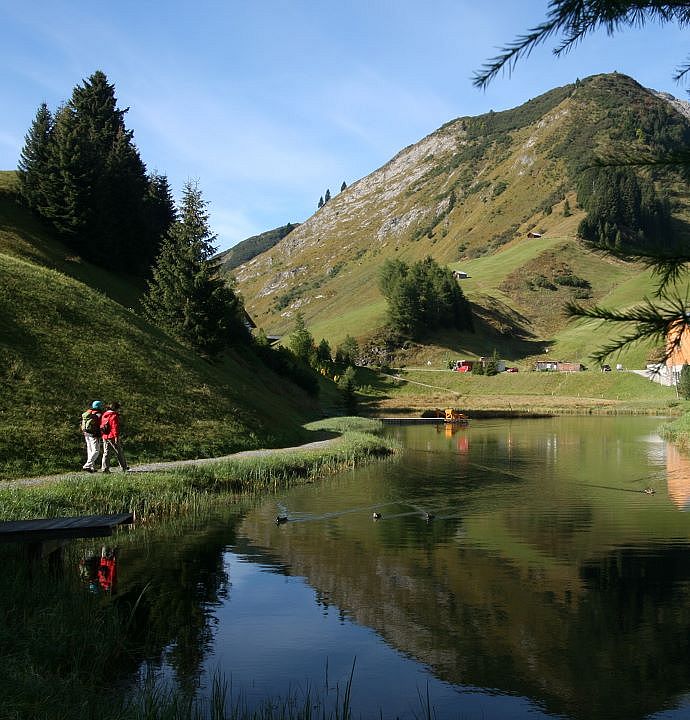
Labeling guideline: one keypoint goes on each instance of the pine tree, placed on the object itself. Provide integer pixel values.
(301, 340)
(343, 186)
(320, 202)
(187, 295)
(323, 353)
(93, 182)
(34, 160)
(159, 213)
(327, 196)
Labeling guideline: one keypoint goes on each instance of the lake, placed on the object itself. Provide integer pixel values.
(545, 583)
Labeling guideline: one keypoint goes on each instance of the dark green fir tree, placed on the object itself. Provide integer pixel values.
(35, 160)
(187, 296)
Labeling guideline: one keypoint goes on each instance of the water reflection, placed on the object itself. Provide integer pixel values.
(547, 583)
(98, 571)
(546, 572)
(678, 474)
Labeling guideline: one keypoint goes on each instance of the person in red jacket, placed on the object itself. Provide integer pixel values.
(110, 434)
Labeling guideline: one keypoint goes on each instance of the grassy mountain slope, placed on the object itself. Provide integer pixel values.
(70, 335)
(251, 247)
(468, 194)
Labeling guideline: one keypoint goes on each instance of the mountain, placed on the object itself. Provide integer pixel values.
(248, 249)
(495, 196)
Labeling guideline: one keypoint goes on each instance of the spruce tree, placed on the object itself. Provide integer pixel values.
(34, 160)
(343, 186)
(327, 196)
(93, 182)
(301, 340)
(187, 295)
(159, 213)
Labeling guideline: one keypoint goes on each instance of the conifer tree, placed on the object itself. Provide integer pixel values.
(34, 160)
(159, 212)
(93, 182)
(302, 341)
(327, 196)
(320, 202)
(187, 295)
(343, 186)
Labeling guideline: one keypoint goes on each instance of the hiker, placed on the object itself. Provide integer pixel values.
(110, 433)
(91, 427)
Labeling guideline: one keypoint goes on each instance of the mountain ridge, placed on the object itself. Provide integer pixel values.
(473, 187)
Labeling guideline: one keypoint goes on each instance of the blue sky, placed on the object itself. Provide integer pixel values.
(267, 104)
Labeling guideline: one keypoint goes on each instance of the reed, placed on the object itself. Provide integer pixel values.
(187, 489)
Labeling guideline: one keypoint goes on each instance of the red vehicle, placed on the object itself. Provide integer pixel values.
(463, 366)
(511, 369)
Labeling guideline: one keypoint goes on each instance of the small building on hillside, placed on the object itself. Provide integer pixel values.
(557, 366)
(460, 275)
(533, 234)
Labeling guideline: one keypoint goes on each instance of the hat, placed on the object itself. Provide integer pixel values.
(97, 405)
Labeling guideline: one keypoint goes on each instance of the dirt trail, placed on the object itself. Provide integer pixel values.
(172, 464)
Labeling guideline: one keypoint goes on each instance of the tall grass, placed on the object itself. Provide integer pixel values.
(191, 488)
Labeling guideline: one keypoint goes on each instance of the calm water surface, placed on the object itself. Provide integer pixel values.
(547, 584)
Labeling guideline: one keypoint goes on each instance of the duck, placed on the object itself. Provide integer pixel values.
(377, 516)
(280, 519)
(429, 516)
(649, 491)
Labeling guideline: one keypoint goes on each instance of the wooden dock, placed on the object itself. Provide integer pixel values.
(47, 536)
(62, 528)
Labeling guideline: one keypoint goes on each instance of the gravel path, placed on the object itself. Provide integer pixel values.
(156, 466)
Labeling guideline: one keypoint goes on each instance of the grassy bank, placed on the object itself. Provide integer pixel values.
(191, 488)
(63, 649)
(677, 432)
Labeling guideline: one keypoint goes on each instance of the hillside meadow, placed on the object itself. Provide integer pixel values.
(72, 334)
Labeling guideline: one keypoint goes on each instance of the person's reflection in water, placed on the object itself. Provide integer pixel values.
(107, 571)
(99, 572)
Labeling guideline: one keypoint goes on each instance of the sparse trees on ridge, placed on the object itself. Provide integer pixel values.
(187, 296)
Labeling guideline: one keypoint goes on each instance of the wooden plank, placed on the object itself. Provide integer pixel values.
(43, 529)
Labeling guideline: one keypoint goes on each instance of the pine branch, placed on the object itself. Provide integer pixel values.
(577, 18)
(658, 322)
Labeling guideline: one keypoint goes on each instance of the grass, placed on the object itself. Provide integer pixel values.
(191, 488)
(678, 431)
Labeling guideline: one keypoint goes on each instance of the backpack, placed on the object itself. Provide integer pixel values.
(90, 422)
(105, 423)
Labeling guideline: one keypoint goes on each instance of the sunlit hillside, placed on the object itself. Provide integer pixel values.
(473, 195)
(71, 334)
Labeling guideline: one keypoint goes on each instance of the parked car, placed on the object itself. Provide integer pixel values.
(511, 369)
